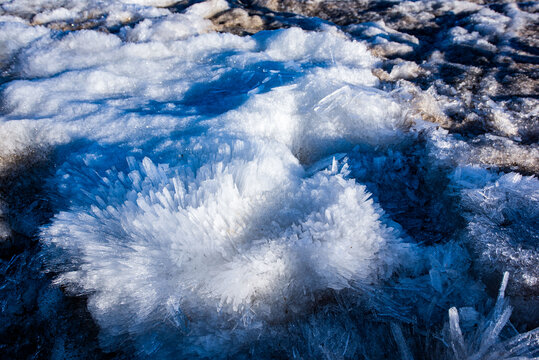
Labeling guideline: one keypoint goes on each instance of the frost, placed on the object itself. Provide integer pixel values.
(346, 179)
(226, 235)
(484, 342)
(502, 227)
(217, 247)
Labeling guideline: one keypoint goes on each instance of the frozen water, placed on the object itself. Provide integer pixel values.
(354, 182)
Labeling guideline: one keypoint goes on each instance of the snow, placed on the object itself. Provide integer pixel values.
(297, 193)
(232, 232)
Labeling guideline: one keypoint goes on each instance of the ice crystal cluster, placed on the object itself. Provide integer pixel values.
(262, 179)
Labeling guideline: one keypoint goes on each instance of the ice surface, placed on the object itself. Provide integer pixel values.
(357, 190)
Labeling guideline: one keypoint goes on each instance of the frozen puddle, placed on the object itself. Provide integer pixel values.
(219, 196)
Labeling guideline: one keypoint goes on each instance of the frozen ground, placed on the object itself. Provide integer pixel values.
(269, 179)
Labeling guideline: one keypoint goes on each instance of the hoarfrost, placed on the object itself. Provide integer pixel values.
(302, 192)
